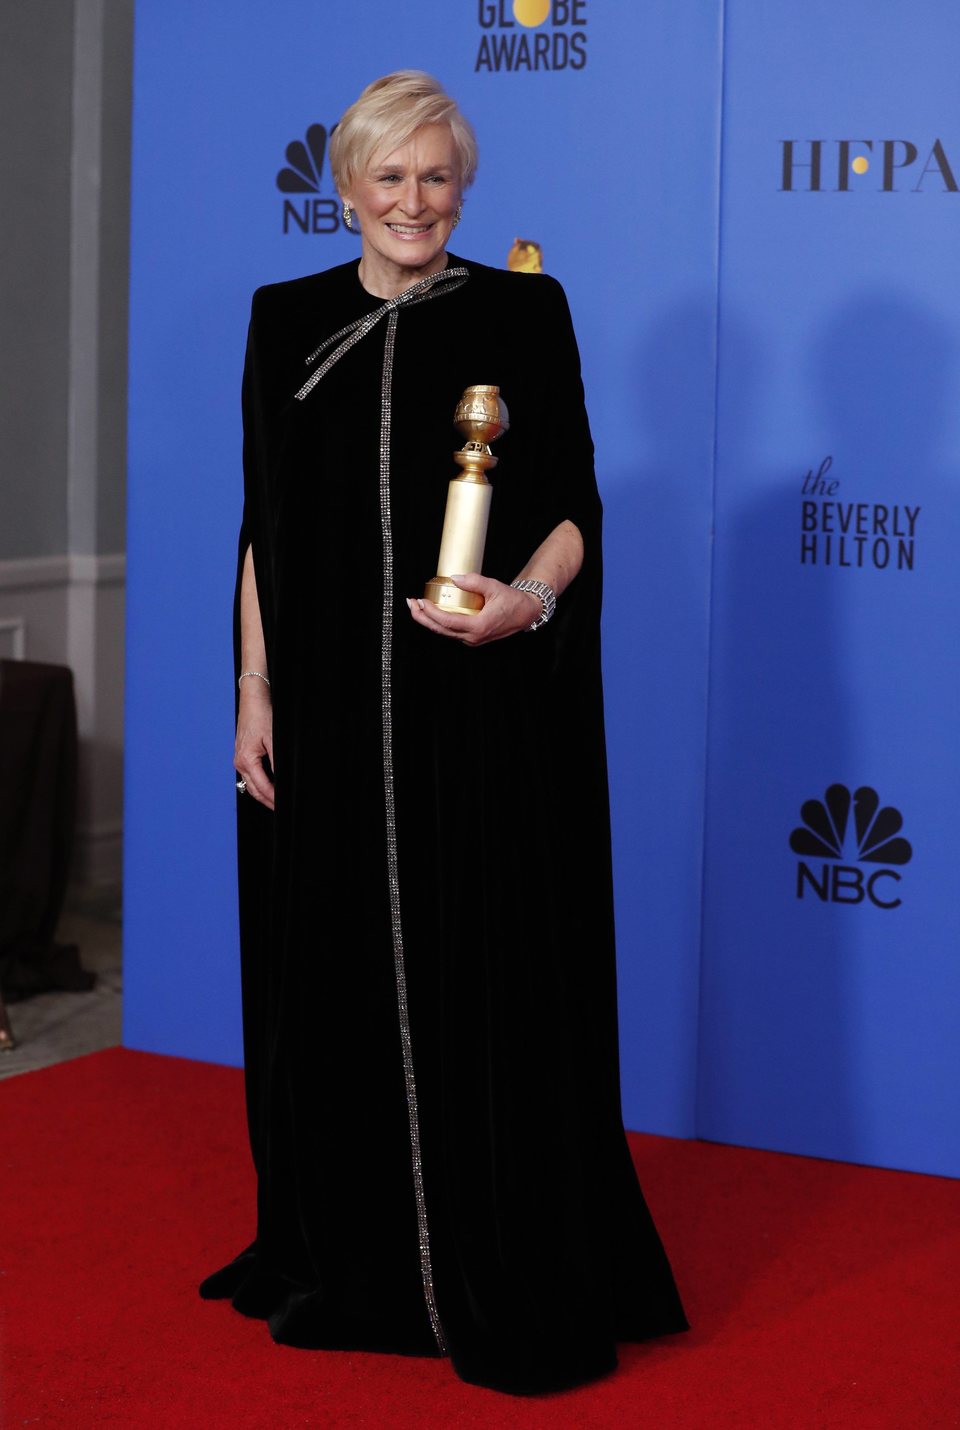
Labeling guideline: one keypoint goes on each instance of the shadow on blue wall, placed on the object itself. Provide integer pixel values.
(657, 553)
(815, 1034)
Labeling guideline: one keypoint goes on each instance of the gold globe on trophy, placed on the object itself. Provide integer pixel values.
(481, 416)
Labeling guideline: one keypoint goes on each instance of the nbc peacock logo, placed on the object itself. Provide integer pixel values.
(315, 212)
(872, 836)
(526, 35)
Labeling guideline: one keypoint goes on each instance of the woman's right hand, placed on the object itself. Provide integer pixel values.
(255, 740)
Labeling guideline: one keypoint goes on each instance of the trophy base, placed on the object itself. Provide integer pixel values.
(447, 595)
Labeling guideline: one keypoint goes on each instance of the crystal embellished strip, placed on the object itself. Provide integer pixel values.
(341, 342)
(443, 282)
(386, 657)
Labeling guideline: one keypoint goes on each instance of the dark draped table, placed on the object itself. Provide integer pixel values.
(38, 788)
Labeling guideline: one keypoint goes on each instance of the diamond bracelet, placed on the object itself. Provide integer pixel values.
(547, 595)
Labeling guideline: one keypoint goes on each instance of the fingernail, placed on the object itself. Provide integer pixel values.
(420, 602)
(409, 601)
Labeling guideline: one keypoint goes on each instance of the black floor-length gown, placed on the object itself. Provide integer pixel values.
(426, 922)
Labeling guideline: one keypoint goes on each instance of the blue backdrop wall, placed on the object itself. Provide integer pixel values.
(819, 1023)
(829, 1017)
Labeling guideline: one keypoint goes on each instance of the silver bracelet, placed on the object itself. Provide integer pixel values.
(547, 595)
(257, 673)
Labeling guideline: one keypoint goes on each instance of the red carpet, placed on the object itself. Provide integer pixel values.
(821, 1294)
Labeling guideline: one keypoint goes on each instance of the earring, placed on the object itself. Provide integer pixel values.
(458, 215)
(348, 216)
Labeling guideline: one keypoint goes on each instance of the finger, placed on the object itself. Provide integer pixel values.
(258, 785)
(249, 766)
(460, 622)
(426, 614)
(453, 623)
(416, 609)
(455, 628)
(473, 581)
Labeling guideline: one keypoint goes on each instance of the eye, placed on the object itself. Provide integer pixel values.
(389, 178)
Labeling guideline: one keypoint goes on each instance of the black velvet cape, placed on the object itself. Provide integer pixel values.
(542, 1253)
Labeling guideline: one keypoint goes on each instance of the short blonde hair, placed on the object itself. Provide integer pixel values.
(387, 114)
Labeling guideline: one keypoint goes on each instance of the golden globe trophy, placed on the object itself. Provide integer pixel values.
(482, 417)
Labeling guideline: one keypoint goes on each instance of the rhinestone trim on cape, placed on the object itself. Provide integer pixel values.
(444, 282)
(386, 661)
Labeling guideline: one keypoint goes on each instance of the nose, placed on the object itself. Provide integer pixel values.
(411, 199)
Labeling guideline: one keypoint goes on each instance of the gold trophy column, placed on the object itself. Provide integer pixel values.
(481, 416)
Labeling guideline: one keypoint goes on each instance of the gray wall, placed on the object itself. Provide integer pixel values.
(65, 87)
(36, 124)
(65, 100)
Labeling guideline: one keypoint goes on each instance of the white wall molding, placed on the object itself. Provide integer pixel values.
(107, 569)
(30, 573)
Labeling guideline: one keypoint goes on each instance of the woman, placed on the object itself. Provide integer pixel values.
(427, 933)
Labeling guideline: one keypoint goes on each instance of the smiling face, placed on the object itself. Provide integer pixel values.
(405, 203)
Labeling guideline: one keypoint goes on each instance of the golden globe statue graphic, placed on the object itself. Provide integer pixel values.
(481, 416)
(526, 256)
